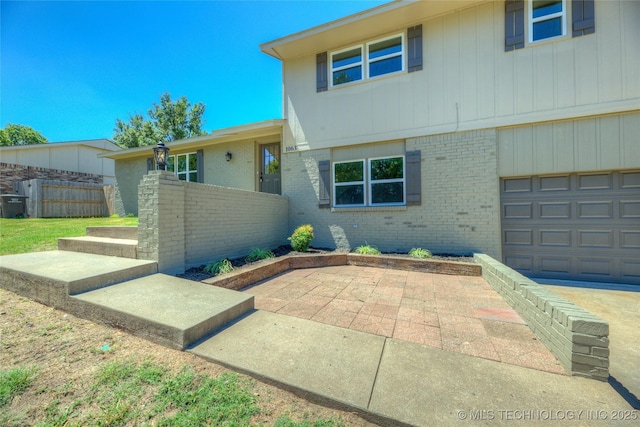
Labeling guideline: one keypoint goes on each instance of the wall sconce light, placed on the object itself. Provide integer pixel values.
(228, 156)
(160, 153)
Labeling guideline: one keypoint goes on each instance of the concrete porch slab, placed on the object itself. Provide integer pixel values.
(165, 309)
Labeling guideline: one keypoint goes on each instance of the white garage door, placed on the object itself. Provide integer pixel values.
(573, 226)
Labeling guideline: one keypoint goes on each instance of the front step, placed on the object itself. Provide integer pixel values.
(114, 232)
(50, 277)
(171, 311)
(125, 248)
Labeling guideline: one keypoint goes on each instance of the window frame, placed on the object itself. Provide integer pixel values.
(186, 174)
(368, 182)
(365, 62)
(531, 21)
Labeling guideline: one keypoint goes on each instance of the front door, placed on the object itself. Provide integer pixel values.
(270, 168)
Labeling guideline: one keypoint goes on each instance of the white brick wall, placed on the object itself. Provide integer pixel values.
(460, 200)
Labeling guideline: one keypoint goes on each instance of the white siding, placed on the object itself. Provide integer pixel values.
(469, 82)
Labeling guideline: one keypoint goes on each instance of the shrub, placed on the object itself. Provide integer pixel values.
(222, 266)
(420, 253)
(258, 254)
(301, 238)
(367, 249)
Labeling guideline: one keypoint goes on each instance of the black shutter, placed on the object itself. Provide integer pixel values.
(322, 81)
(583, 14)
(414, 185)
(513, 25)
(149, 164)
(324, 192)
(200, 165)
(414, 48)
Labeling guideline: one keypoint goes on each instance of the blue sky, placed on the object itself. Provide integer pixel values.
(69, 69)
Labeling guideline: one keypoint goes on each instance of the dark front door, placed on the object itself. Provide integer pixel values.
(270, 168)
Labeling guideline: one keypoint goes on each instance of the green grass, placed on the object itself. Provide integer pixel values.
(13, 382)
(41, 234)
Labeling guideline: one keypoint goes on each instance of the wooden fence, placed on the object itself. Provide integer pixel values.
(62, 199)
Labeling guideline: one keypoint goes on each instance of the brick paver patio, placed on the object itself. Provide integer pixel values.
(454, 313)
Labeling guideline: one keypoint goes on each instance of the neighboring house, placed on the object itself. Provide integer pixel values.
(75, 161)
(245, 157)
(509, 128)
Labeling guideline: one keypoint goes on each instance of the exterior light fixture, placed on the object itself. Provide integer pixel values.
(160, 153)
(228, 156)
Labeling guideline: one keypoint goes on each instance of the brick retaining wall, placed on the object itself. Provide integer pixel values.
(576, 337)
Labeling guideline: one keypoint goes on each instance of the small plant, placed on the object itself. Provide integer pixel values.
(258, 254)
(222, 266)
(420, 253)
(367, 249)
(301, 238)
(13, 382)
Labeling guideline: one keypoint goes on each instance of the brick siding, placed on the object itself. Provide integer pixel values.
(10, 173)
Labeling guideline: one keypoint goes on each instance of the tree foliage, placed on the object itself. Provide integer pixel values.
(20, 135)
(168, 121)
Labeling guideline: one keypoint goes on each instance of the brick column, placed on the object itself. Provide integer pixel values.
(161, 235)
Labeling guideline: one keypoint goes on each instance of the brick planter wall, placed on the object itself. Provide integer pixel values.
(576, 337)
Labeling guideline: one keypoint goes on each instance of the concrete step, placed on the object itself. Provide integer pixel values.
(166, 309)
(125, 248)
(51, 277)
(123, 232)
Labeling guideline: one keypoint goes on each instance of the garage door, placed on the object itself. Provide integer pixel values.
(574, 226)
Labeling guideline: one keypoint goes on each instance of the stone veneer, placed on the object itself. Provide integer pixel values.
(10, 173)
(578, 339)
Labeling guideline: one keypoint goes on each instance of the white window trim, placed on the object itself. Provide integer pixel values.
(365, 62)
(175, 165)
(531, 20)
(403, 180)
(367, 183)
(343, 184)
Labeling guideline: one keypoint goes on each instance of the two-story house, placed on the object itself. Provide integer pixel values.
(506, 127)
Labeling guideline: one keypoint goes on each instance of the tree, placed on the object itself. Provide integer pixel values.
(168, 121)
(20, 135)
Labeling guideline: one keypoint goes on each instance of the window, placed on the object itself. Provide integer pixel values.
(185, 166)
(382, 183)
(547, 19)
(381, 57)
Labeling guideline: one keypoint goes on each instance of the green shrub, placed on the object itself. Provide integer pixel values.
(219, 267)
(301, 238)
(420, 253)
(258, 254)
(367, 249)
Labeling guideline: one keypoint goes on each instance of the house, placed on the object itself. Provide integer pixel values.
(504, 127)
(75, 161)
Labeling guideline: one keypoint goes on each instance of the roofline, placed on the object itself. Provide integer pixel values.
(83, 142)
(230, 134)
(270, 47)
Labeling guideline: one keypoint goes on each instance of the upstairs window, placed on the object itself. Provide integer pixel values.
(374, 59)
(547, 19)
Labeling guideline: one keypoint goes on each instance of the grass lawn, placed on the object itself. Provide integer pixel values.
(41, 234)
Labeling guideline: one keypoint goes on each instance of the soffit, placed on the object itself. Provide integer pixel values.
(361, 26)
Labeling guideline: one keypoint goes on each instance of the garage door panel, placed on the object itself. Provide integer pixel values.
(518, 237)
(630, 209)
(555, 183)
(594, 266)
(595, 238)
(555, 238)
(630, 239)
(554, 210)
(629, 180)
(573, 226)
(595, 182)
(595, 209)
(518, 210)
